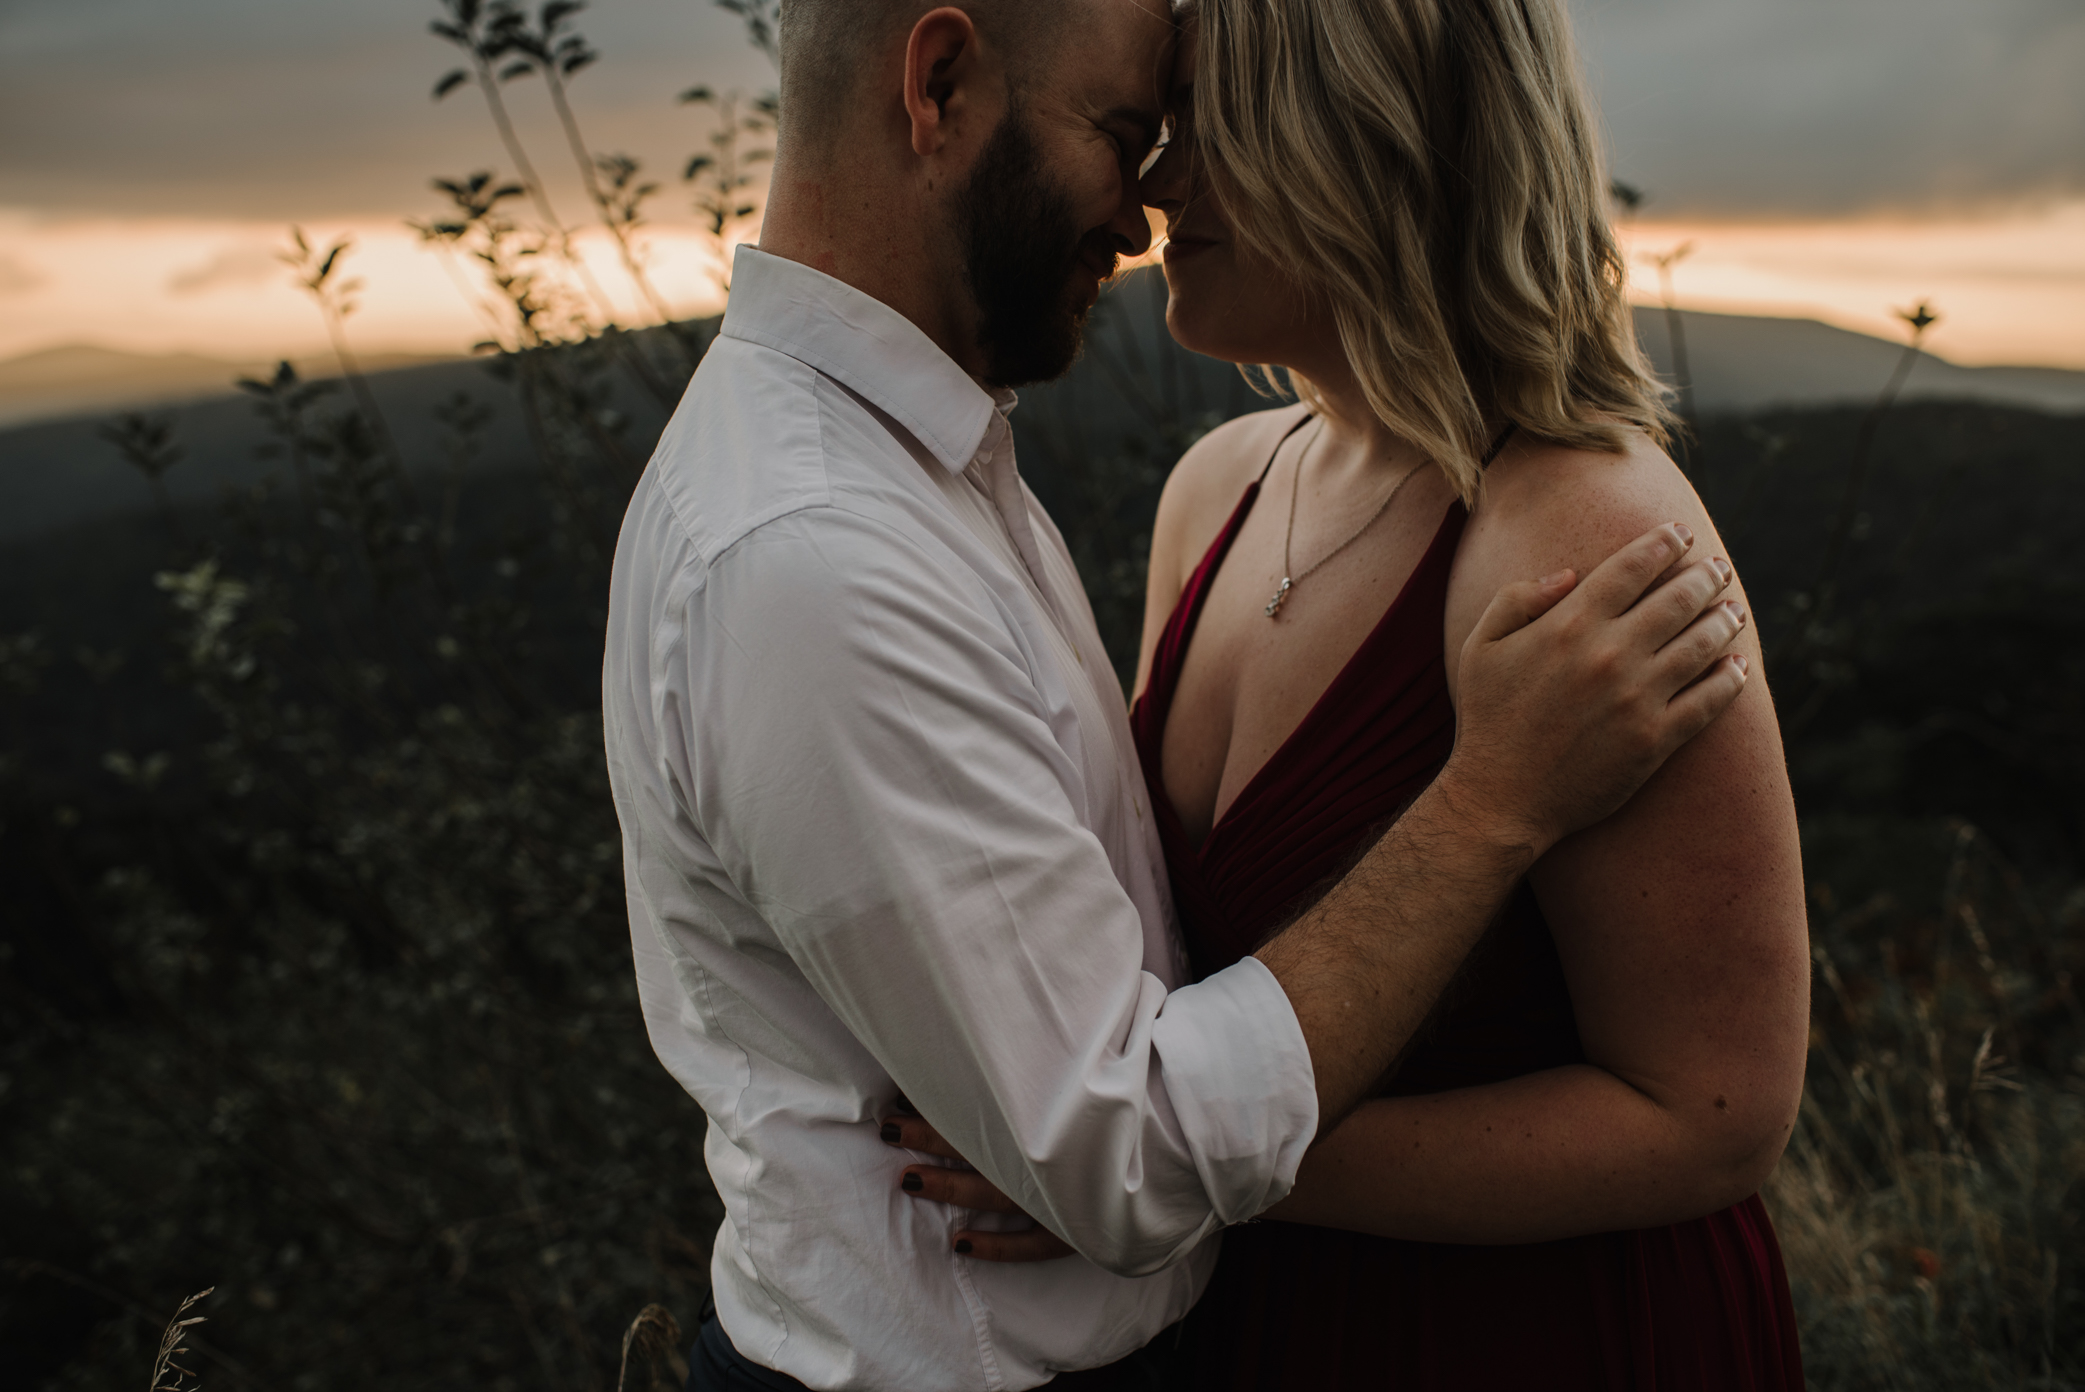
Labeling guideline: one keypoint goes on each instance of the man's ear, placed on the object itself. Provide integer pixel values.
(941, 62)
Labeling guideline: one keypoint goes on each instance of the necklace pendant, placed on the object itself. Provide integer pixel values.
(1281, 594)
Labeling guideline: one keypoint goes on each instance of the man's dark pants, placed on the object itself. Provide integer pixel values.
(715, 1366)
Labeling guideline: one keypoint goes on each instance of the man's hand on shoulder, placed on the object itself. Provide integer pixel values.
(1571, 693)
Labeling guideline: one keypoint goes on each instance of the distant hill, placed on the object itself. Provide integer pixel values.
(56, 471)
(1742, 363)
(67, 381)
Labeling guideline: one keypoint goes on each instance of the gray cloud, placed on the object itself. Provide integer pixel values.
(1769, 107)
(239, 265)
(259, 108)
(18, 278)
(256, 108)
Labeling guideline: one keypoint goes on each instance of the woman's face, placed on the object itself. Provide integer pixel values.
(1225, 301)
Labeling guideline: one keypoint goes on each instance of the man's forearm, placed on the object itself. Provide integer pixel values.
(1365, 964)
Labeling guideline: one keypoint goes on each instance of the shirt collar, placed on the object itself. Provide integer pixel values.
(867, 347)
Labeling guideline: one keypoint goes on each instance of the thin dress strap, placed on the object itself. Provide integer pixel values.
(1285, 435)
(1490, 454)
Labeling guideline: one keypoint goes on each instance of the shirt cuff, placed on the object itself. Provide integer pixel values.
(1238, 1074)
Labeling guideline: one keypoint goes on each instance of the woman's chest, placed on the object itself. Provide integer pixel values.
(1250, 680)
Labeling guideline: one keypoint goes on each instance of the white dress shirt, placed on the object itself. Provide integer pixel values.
(885, 832)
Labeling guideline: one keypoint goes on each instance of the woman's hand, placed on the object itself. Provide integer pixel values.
(968, 1189)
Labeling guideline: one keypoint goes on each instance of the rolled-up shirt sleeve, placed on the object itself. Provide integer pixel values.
(869, 753)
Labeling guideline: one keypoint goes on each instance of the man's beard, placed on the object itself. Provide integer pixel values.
(1022, 245)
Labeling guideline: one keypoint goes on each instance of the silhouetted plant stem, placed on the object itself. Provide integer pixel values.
(724, 199)
(1814, 606)
(1676, 335)
(316, 272)
(591, 175)
(485, 34)
(1919, 320)
(147, 445)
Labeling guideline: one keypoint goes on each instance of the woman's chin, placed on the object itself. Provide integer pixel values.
(1198, 330)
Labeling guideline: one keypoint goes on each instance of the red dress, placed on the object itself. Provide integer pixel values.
(1683, 1308)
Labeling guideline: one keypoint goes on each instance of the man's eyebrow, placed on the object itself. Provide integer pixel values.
(1147, 121)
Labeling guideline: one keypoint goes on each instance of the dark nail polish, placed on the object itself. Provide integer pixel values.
(912, 1184)
(962, 1246)
(891, 1134)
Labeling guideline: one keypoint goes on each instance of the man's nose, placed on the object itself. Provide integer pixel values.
(1130, 228)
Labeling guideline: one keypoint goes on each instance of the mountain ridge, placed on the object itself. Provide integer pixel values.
(76, 378)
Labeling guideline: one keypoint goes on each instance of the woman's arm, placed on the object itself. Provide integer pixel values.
(1681, 928)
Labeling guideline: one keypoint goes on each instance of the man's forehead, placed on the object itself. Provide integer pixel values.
(1123, 47)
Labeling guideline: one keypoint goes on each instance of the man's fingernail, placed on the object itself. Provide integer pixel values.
(912, 1183)
(1684, 532)
(891, 1134)
(1722, 567)
(962, 1246)
(1553, 579)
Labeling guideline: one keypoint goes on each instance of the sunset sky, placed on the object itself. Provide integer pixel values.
(1828, 158)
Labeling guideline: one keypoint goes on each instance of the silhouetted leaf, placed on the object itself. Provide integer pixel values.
(450, 82)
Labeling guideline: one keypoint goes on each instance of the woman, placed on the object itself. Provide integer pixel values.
(1398, 203)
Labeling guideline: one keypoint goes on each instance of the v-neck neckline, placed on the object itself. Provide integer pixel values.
(1212, 566)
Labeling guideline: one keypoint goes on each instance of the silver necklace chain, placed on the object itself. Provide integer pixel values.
(1281, 591)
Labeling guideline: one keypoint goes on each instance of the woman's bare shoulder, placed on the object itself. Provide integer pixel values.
(1560, 499)
(1547, 507)
(1206, 484)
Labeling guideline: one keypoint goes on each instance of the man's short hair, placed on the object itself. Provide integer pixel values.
(827, 46)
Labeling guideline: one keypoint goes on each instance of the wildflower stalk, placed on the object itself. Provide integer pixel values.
(555, 52)
(486, 33)
(1918, 320)
(1676, 333)
(316, 272)
(147, 445)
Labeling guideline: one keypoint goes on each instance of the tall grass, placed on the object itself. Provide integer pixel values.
(1930, 1202)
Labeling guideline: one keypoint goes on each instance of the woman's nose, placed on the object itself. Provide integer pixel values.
(1164, 184)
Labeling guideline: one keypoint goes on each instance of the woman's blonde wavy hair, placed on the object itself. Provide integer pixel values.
(1428, 168)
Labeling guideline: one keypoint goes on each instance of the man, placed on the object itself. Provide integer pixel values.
(884, 829)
